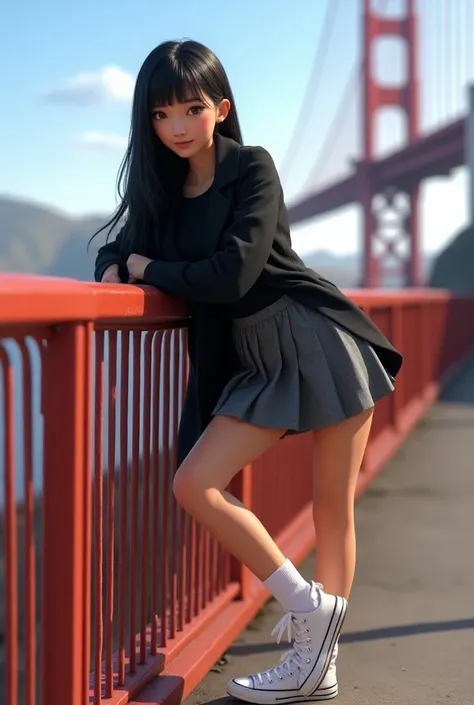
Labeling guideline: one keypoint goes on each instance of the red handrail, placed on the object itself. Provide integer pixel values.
(127, 579)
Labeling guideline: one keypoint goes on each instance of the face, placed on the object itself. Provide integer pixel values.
(188, 127)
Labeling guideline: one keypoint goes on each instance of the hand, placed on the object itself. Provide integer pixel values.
(111, 275)
(136, 267)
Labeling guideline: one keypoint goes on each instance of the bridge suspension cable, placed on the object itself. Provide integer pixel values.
(312, 87)
(346, 113)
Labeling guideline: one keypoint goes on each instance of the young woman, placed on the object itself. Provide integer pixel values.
(274, 347)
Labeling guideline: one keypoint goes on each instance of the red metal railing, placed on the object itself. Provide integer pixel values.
(106, 582)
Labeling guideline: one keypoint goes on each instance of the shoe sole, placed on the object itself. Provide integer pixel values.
(296, 699)
(267, 697)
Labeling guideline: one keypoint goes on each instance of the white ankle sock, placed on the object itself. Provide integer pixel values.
(292, 591)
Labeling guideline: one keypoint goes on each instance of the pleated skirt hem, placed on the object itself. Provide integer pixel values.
(299, 371)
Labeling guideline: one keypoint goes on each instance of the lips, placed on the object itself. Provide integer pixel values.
(182, 145)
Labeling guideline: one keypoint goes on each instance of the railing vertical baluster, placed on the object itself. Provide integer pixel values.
(110, 566)
(157, 543)
(123, 577)
(98, 491)
(29, 547)
(166, 490)
(65, 510)
(10, 533)
(146, 461)
(134, 547)
(241, 487)
(87, 480)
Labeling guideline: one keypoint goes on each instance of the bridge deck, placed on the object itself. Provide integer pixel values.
(409, 634)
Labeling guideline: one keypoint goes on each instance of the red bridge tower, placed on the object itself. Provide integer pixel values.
(391, 225)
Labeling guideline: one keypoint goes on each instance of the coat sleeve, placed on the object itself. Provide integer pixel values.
(246, 244)
(108, 254)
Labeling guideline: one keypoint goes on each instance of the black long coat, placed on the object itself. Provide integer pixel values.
(246, 248)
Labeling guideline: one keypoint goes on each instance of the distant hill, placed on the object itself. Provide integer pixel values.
(39, 240)
(454, 266)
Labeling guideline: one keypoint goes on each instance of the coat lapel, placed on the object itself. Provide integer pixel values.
(220, 197)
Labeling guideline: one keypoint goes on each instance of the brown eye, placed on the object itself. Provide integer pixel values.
(197, 108)
(158, 115)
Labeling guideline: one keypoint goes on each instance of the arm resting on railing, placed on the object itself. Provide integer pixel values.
(109, 254)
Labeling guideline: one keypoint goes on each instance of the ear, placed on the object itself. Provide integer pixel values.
(223, 110)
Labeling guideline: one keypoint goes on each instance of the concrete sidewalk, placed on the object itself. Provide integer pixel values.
(409, 635)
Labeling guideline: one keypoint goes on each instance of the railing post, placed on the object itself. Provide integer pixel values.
(66, 570)
(241, 487)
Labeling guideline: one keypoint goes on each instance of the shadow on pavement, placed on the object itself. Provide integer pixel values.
(366, 635)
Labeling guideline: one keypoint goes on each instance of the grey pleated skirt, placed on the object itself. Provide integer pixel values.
(300, 371)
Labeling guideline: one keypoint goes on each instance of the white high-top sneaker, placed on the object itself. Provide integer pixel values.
(302, 674)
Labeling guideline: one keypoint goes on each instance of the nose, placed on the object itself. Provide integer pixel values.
(178, 127)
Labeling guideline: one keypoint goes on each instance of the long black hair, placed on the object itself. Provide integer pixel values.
(151, 176)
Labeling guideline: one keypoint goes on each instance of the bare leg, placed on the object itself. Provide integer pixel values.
(338, 454)
(225, 447)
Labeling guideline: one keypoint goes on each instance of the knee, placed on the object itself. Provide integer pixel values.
(186, 487)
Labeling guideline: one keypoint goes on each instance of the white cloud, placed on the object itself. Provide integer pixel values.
(100, 141)
(109, 84)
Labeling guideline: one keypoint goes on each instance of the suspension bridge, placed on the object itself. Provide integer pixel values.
(432, 42)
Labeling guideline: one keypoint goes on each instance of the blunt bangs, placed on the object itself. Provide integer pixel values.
(174, 82)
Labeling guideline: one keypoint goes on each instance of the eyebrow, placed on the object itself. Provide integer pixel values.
(188, 100)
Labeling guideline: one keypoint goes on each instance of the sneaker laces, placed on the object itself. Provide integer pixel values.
(294, 658)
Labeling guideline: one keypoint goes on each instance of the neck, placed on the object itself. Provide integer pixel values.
(202, 165)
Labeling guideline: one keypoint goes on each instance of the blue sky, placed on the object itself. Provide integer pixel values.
(69, 74)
